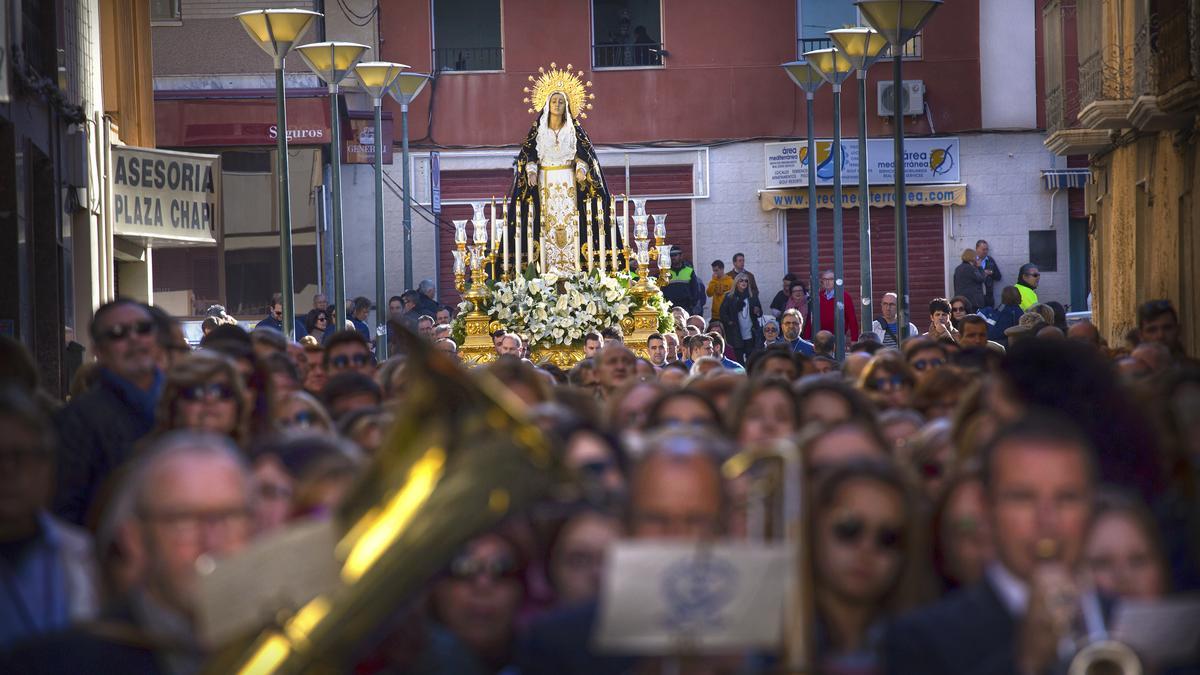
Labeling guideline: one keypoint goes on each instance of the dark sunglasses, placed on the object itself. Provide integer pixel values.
(302, 419)
(345, 361)
(888, 383)
(207, 392)
(1033, 274)
(465, 568)
(595, 469)
(121, 331)
(959, 308)
(322, 317)
(277, 314)
(930, 470)
(851, 530)
(922, 364)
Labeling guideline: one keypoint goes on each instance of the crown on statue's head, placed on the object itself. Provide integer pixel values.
(554, 80)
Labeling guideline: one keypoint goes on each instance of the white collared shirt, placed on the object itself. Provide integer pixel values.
(1013, 592)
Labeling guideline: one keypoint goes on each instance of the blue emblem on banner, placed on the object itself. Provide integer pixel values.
(696, 590)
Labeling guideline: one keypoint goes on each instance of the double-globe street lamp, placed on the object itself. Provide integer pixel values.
(862, 47)
(332, 62)
(898, 21)
(835, 68)
(375, 77)
(276, 31)
(809, 80)
(407, 87)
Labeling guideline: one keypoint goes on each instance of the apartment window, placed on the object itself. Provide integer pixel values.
(466, 36)
(1043, 249)
(819, 16)
(164, 10)
(627, 33)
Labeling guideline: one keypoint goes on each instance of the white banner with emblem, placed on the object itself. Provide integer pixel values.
(927, 161)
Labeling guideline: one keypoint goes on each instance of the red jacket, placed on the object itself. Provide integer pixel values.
(828, 307)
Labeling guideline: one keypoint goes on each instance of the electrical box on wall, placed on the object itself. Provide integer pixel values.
(912, 97)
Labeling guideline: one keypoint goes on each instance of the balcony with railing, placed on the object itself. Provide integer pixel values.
(1146, 114)
(1178, 52)
(1105, 95)
(1064, 135)
(468, 59)
(632, 55)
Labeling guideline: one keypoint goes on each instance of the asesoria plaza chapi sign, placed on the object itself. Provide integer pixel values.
(162, 194)
(927, 161)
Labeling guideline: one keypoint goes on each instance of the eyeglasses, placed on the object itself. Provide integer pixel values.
(188, 525)
(465, 568)
(959, 309)
(340, 362)
(217, 391)
(302, 419)
(850, 530)
(1033, 274)
(922, 364)
(277, 314)
(595, 469)
(888, 383)
(322, 318)
(121, 331)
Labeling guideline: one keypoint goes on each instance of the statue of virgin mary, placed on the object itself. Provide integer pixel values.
(558, 195)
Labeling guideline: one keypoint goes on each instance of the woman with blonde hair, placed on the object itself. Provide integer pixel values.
(204, 392)
(888, 381)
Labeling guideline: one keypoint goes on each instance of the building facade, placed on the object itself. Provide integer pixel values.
(689, 100)
(74, 82)
(1123, 93)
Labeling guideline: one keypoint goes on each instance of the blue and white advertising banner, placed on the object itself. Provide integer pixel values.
(926, 161)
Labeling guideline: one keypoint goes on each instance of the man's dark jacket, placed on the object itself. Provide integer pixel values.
(96, 433)
(969, 632)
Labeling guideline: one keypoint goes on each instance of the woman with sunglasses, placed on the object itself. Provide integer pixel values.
(860, 536)
(960, 307)
(204, 393)
(301, 410)
(318, 324)
(888, 381)
(477, 598)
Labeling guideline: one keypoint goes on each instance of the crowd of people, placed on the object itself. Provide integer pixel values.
(959, 483)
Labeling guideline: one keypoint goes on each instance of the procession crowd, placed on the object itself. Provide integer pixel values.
(959, 483)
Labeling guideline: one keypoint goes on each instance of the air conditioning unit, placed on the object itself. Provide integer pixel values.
(912, 97)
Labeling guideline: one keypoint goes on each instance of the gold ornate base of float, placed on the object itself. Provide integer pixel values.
(637, 327)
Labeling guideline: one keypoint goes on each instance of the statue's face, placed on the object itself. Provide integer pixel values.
(558, 104)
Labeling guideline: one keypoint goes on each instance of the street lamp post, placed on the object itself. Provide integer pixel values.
(406, 88)
(332, 62)
(898, 21)
(835, 68)
(375, 77)
(276, 31)
(862, 47)
(808, 79)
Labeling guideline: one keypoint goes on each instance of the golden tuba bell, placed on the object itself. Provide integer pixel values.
(459, 458)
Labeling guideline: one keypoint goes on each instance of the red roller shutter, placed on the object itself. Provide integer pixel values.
(483, 184)
(926, 253)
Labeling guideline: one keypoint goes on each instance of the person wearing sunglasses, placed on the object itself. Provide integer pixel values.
(888, 381)
(1027, 283)
(274, 318)
(348, 351)
(924, 356)
(301, 410)
(861, 530)
(204, 393)
(477, 598)
(98, 428)
(318, 325)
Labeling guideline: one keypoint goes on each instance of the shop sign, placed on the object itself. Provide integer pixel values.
(927, 160)
(923, 195)
(360, 143)
(165, 194)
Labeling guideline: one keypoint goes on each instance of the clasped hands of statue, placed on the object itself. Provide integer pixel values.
(531, 170)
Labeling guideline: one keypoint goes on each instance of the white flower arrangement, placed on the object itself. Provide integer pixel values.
(559, 309)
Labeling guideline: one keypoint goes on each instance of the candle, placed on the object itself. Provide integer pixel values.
(624, 233)
(660, 227)
(588, 242)
(602, 234)
(529, 234)
(518, 245)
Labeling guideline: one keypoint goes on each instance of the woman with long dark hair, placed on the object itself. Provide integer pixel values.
(740, 313)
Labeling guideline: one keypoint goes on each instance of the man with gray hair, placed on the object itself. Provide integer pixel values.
(191, 496)
(426, 302)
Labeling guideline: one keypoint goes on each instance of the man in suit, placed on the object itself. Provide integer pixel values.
(991, 272)
(1038, 476)
(676, 492)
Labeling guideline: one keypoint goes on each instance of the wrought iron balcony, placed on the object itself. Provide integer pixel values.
(1145, 58)
(1105, 94)
(1054, 110)
(466, 59)
(1179, 56)
(632, 55)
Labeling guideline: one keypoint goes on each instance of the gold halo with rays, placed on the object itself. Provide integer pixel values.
(569, 83)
